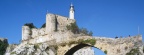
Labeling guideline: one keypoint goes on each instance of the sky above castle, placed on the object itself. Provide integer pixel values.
(106, 18)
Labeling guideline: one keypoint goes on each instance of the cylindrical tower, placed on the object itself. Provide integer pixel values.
(71, 12)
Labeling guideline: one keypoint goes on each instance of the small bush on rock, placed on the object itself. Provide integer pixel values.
(44, 25)
(91, 41)
(13, 52)
(105, 51)
(143, 49)
(75, 29)
(85, 31)
(36, 46)
(134, 52)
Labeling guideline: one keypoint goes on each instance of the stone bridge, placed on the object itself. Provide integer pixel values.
(110, 46)
(68, 46)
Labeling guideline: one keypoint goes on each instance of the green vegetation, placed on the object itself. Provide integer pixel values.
(91, 41)
(30, 25)
(75, 29)
(134, 52)
(143, 49)
(13, 52)
(116, 37)
(105, 51)
(3, 47)
(44, 25)
(85, 31)
(36, 46)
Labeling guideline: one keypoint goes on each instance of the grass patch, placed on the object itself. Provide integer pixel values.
(91, 41)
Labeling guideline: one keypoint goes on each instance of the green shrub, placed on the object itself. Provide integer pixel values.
(143, 49)
(44, 25)
(133, 52)
(85, 31)
(13, 52)
(73, 27)
(3, 47)
(91, 41)
(30, 25)
(105, 51)
(36, 46)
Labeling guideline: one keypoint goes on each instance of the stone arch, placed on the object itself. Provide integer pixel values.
(77, 47)
(109, 46)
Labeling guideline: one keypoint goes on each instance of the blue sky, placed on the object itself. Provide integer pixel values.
(106, 18)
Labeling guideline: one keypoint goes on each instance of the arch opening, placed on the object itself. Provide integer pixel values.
(98, 51)
(80, 46)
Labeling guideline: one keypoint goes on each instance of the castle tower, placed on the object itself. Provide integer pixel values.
(50, 23)
(71, 12)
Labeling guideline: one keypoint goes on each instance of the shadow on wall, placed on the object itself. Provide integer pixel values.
(74, 49)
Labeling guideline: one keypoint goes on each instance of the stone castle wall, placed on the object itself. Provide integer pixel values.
(29, 33)
(57, 23)
(55, 29)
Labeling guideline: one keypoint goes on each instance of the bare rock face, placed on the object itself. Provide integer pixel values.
(10, 48)
(85, 51)
(32, 49)
(42, 31)
(34, 32)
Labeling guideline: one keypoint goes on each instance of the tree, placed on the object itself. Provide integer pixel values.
(73, 27)
(3, 47)
(85, 31)
(44, 25)
(30, 25)
(90, 33)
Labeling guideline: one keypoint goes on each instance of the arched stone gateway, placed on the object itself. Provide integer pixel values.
(110, 46)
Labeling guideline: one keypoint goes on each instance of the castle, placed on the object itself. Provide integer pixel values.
(54, 38)
(53, 23)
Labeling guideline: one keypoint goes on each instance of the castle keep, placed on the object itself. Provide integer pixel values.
(53, 23)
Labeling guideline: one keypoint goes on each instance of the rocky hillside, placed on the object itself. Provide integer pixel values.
(40, 49)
